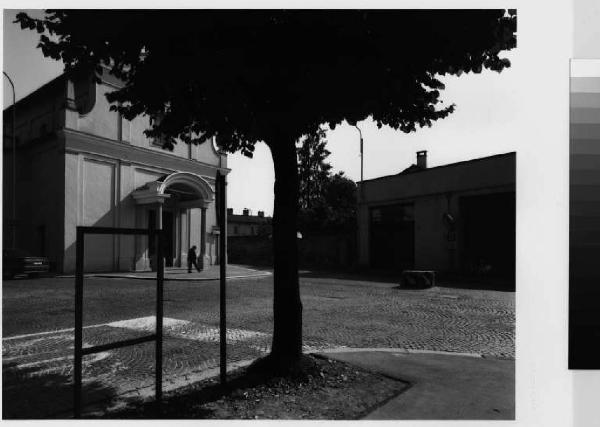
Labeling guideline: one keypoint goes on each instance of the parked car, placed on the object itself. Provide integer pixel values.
(17, 261)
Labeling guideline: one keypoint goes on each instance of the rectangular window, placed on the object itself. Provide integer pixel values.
(124, 129)
(157, 142)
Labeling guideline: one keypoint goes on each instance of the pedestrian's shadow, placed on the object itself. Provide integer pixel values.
(36, 393)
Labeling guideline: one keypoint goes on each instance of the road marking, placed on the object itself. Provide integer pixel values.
(86, 361)
(174, 327)
(147, 323)
(37, 334)
(167, 321)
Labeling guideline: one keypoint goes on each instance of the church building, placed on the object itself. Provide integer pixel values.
(78, 163)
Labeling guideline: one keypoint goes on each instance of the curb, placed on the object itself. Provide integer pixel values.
(170, 279)
(398, 350)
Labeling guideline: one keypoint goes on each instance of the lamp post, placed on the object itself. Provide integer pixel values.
(361, 153)
(360, 198)
(14, 167)
(361, 164)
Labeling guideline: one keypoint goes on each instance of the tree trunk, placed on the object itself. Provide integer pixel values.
(287, 308)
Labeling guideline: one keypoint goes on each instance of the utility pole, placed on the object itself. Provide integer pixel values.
(14, 167)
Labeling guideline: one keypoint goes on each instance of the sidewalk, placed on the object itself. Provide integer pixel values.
(211, 272)
(443, 386)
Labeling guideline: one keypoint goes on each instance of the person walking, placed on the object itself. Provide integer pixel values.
(192, 259)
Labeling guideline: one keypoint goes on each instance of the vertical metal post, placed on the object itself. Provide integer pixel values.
(159, 313)
(78, 323)
(222, 194)
(202, 236)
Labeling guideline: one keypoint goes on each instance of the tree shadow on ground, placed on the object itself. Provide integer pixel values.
(382, 277)
(191, 401)
(340, 273)
(35, 393)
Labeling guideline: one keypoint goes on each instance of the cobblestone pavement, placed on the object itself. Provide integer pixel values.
(37, 345)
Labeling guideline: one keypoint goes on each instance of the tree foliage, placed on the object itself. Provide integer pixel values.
(239, 74)
(326, 202)
(334, 208)
(313, 168)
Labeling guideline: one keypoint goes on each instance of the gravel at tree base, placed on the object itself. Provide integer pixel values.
(327, 389)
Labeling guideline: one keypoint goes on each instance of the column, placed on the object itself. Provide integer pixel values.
(202, 238)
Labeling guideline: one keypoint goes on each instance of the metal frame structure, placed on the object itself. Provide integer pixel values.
(222, 218)
(157, 336)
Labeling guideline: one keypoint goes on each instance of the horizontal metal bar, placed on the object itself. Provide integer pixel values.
(118, 344)
(114, 230)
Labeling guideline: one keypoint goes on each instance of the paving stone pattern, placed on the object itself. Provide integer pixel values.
(37, 366)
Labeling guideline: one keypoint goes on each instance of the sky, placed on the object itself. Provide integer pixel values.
(482, 125)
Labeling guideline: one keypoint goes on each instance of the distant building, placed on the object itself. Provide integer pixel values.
(80, 164)
(247, 224)
(454, 218)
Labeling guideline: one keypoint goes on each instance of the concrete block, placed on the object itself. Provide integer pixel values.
(417, 279)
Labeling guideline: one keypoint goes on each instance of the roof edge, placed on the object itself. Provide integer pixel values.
(509, 154)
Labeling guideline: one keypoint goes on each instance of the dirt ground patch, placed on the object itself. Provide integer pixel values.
(326, 389)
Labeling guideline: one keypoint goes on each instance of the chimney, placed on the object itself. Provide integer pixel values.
(246, 212)
(422, 159)
(261, 214)
(229, 211)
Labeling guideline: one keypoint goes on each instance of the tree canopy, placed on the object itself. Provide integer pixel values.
(239, 74)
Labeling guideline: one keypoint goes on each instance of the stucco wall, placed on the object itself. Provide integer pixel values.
(99, 193)
(39, 172)
(101, 122)
(39, 184)
(434, 193)
(472, 175)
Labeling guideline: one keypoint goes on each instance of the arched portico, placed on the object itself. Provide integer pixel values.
(168, 201)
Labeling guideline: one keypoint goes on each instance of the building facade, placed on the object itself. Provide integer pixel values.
(78, 163)
(247, 224)
(456, 218)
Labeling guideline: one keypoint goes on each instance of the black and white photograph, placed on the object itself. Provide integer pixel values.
(272, 214)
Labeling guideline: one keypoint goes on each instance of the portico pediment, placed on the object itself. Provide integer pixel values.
(188, 190)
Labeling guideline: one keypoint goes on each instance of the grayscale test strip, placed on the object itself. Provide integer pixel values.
(584, 290)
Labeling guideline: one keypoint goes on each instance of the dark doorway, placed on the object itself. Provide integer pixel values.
(392, 230)
(488, 243)
(167, 223)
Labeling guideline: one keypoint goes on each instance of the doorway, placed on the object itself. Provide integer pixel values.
(167, 226)
(392, 239)
(488, 226)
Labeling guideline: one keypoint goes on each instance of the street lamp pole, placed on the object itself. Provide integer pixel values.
(360, 198)
(361, 153)
(14, 165)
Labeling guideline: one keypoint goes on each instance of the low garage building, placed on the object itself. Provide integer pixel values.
(456, 218)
